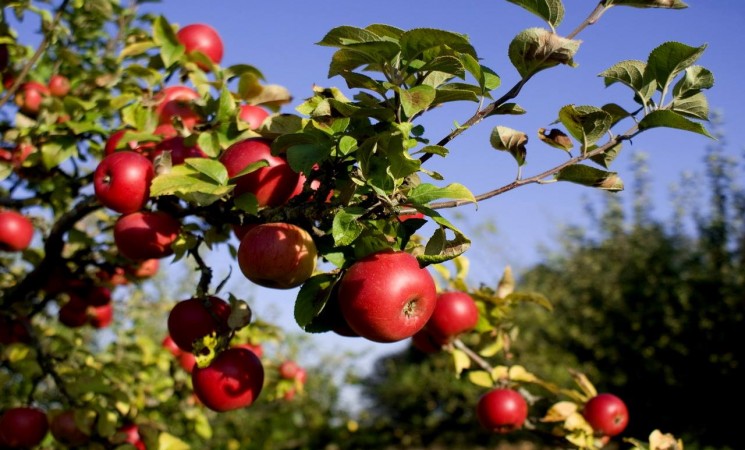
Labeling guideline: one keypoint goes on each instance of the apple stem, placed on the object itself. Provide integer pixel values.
(457, 343)
(206, 272)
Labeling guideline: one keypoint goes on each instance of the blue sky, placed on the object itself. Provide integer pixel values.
(278, 38)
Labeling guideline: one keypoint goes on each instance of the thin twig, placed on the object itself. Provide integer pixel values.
(473, 355)
(39, 51)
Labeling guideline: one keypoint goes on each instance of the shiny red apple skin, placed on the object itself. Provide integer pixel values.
(16, 231)
(273, 185)
(277, 255)
(502, 410)
(233, 380)
(187, 360)
(190, 320)
(253, 115)
(203, 38)
(23, 427)
(101, 316)
(29, 97)
(607, 414)
(387, 296)
(122, 181)
(174, 101)
(146, 235)
(455, 313)
(257, 349)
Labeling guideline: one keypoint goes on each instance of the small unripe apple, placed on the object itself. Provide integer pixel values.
(122, 181)
(146, 235)
(502, 410)
(277, 255)
(387, 296)
(16, 231)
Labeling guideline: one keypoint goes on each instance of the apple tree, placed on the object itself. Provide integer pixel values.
(126, 142)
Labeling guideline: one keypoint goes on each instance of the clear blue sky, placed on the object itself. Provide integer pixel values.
(278, 38)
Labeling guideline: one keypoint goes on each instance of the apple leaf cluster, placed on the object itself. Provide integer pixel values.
(132, 147)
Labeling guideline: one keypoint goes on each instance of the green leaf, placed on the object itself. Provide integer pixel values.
(695, 106)
(669, 59)
(427, 43)
(439, 248)
(607, 157)
(416, 99)
(530, 297)
(587, 124)
(552, 11)
(513, 141)
(632, 73)
(616, 112)
(536, 49)
(171, 49)
(425, 193)
(696, 79)
(346, 226)
(188, 184)
(312, 297)
(212, 168)
(508, 109)
(303, 157)
(671, 119)
(136, 49)
(670, 4)
(590, 176)
(345, 35)
(209, 142)
(57, 151)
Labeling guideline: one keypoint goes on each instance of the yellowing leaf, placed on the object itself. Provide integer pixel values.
(493, 347)
(461, 360)
(500, 372)
(659, 441)
(506, 284)
(480, 378)
(560, 412)
(170, 442)
(584, 384)
(518, 373)
(576, 421)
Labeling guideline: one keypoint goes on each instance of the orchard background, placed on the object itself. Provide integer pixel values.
(520, 217)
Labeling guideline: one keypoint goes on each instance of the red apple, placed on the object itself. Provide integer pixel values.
(17, 155)
(425, 342)
(607, 414)
(199, 37)
(131, 435)
(190, 320)
(455, 313)
(171, 346)
(187, 361)
(14, 330)
(59, 85)
(146, 235)
(96, 295)
(122, 181)
(288, 370)
(16, 231)
(112, 276)
(502, 410)
(179, 150)
(253, 115)
(277, 255)
(387, 296)
(273, 185)
(257, 349)
(101, 316)
(145, 269)
(112, 143)
(29, 97)
(23, 427)
(66, 431)
(175, 101)
(233, 380)
(74, 313)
